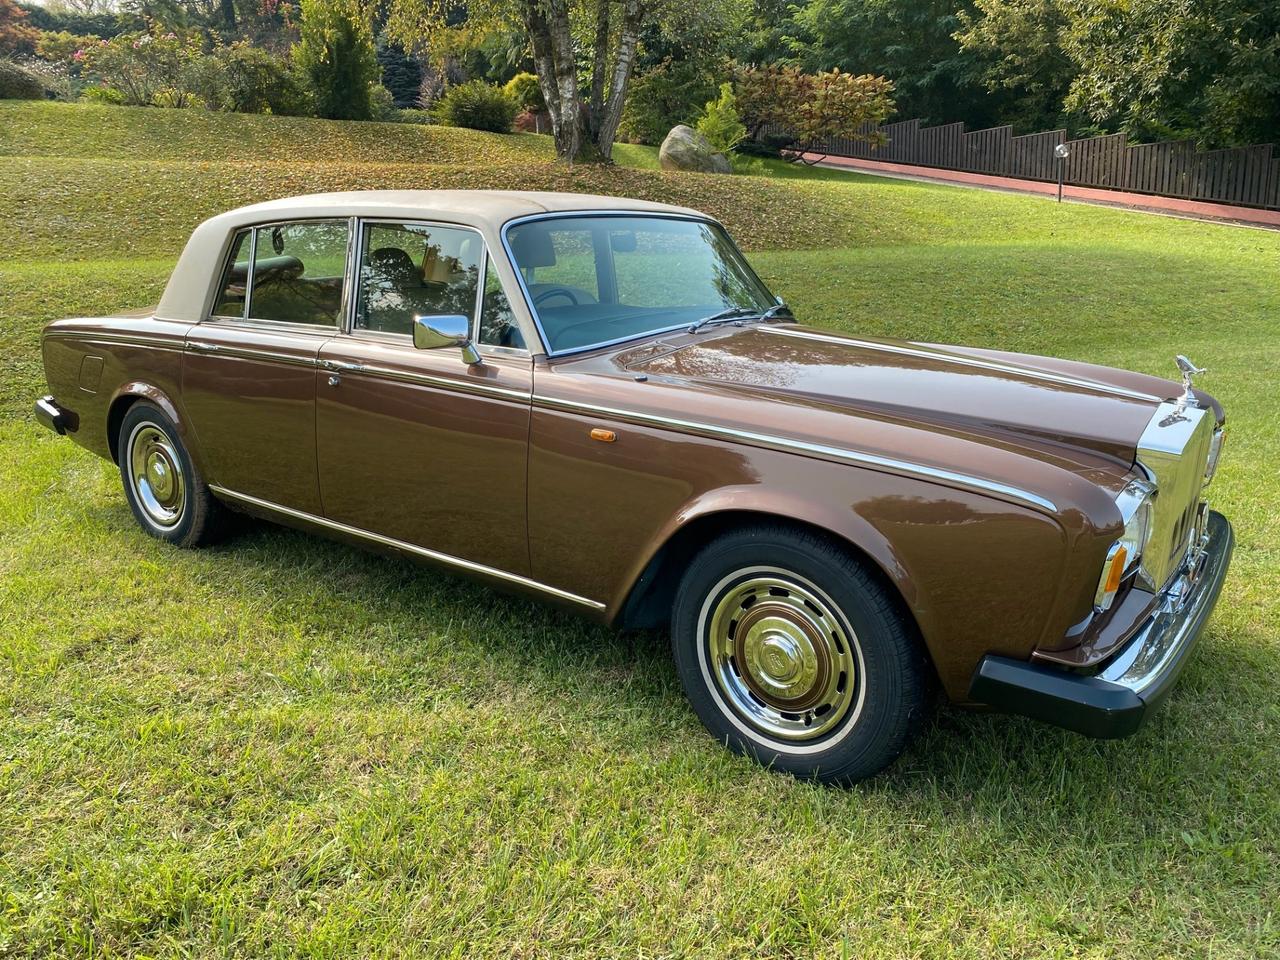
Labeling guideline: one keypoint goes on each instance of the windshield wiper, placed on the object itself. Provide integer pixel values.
(732, 313)
(742, 313)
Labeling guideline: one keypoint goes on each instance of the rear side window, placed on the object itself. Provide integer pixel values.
(412, 270)
(298, 273)
(235, 279)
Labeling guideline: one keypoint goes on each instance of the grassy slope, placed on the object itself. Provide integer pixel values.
(284, 746)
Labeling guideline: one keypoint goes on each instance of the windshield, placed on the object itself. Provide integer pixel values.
(601, 279)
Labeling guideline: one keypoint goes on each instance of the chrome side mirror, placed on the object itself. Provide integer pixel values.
(434, 331)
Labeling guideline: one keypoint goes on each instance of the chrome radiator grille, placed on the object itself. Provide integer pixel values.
(1175, 450)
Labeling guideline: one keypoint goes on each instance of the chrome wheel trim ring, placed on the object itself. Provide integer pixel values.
(155, 476)
(789, 675)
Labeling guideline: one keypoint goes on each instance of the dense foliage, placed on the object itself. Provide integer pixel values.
(336, 56)
(17, 83)
(669, 93)
(478, 106)
(811, 108)
(720, 122)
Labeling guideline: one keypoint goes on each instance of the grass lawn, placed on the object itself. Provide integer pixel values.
(287, 747)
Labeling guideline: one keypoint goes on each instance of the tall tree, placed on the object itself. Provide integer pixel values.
(910, 43)
(603, 33)
(336, 55)
(16, 32)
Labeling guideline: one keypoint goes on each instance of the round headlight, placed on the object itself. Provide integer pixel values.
(1137, 530)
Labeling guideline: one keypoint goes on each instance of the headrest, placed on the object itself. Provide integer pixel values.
(532, 247)
(392, 262)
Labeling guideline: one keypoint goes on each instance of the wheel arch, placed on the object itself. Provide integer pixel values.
(130, 393)
(650, 594)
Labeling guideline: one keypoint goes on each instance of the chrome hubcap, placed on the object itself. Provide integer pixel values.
(781, 655)
(155, 473)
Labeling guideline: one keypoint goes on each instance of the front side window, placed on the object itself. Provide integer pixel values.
(601, 279)
(410, 270)
(298, 273)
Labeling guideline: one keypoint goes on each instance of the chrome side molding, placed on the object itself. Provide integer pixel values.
(434, 555)
(789, 445)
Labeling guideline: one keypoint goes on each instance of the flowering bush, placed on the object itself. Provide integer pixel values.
(148, 69)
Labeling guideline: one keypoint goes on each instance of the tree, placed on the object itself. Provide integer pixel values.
(336, 57)
(15, 32)
(1016, 49)
(910, 43)
(584, 116)
(812, 108)
(720, 122)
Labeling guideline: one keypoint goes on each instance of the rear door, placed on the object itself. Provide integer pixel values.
(249, 373)
(418, 445)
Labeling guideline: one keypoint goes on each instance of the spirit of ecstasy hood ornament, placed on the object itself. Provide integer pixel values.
(1189, 371)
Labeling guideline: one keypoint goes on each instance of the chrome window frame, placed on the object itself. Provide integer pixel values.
(646, 214)
(283, 326)
(348, 327)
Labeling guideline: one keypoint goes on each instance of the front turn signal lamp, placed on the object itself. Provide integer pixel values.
(1124, 555)
(1112, 576)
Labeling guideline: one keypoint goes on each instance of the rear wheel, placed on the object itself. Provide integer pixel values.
(793, 653)
(166, 493)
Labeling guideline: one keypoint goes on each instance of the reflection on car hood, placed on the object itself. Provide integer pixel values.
(1055, 405)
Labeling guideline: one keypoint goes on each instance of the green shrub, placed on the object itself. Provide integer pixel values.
(17, 83)
(103, 94)
(720, 122)
(150, 69)
(336, 57)
(477, 105)
(382, 103)
(413, 116)
(670, 93)
(523, 88)
(248, 79)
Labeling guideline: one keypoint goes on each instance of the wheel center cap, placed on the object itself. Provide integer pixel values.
(780, 658)
(781, 662)
(158, 473)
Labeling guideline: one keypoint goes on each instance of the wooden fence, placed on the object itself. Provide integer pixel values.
(1248, 176)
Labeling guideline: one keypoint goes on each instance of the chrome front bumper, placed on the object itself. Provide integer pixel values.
(1115, 701)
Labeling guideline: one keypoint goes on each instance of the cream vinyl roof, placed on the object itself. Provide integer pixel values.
(189, 288)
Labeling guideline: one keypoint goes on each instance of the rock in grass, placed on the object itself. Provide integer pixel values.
(687, 149)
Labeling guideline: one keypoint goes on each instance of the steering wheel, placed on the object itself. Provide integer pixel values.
(555, 292)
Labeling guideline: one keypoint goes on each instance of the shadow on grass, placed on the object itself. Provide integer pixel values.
(1016, 776)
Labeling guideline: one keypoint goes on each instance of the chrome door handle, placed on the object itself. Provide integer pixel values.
(198, 347)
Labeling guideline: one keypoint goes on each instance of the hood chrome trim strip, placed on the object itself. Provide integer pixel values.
(444, 558)
(1029, 373)
(789, 445)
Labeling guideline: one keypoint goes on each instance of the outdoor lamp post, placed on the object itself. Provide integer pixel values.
(1061, 152)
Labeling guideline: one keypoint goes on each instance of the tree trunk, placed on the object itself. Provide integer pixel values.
(548, 26)
(608, 118)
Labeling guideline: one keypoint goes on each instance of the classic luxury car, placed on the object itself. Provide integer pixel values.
(598, 401)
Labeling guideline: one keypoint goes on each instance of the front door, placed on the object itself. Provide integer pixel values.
(249, 372)
(417, 445)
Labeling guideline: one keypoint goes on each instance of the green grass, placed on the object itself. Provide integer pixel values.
(287, 747)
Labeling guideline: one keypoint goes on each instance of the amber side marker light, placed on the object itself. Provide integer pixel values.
(604, 436)
(1113, 573)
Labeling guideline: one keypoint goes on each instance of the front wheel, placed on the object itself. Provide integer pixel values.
(793, 653)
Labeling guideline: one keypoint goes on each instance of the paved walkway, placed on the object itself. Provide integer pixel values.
(1197, 209)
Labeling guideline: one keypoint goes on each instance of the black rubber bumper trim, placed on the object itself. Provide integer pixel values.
(1096, 708)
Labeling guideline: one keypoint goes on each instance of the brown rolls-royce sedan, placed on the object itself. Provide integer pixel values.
(597, 401)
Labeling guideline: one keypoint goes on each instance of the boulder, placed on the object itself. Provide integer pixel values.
(687, 149)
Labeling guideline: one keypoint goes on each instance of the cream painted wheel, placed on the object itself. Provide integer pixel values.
(155, 473)
(796, 652)
(782, 656)
(166, 493)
